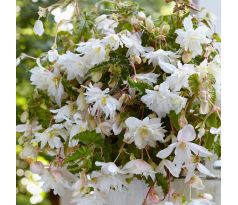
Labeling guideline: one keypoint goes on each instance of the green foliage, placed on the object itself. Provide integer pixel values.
(163, 182)
(139, 86)
(194, 83)
(174, 118)
(90, 137)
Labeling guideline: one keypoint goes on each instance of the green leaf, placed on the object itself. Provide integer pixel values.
(90, 137)
(194, 83)
(139, 86)
(174, 118)
(162, 181)
(212, 120)
(82, 152)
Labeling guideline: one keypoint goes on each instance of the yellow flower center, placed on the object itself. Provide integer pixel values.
(104, 100)
(144, 132)
(182, 145)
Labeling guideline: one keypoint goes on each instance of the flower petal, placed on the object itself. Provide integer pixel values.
(201, 168)
(187, 133)
(199, 150)
(166, 152)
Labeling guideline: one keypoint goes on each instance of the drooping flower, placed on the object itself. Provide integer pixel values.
(73, 65)
(29, 128)
(93, 198)
(109, 177)
(200, 167)
(51, 136)
(133, 42)
(105, 24)
(140, 167)
(58, 179)
(101, 101)
(144, 132)
(93, 51)
(191, 39)
(50, 81)
(38, 27)
(165, 59)
(184, 147)
(113, 41)
(179, 79)
(162, 101)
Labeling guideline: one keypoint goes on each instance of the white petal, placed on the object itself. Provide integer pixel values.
(201, 168)
(166, 152)
(167, 67)
(187, 133)
(174, 170)
(199, 150)
(187, 23)
(38, 27)
(132, 122)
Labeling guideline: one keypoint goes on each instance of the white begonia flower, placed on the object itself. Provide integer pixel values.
(109, 168)
(105, 24)
(51, 81)
(200, 167)
(63, 113)
(62, 14)
(113, 41)
(190, 39)
(28, 151)
(38, 27)
(179, 79)
(150, 78)
(165, 59)
(143, 132)
(58, 179)
(216, 132)
(53, 55)
(51, 136)
(162, 101)
(93, 51)
(140, 167)
(94, 198)
(133, 43)
(73, 65)
(170, 166)
(105, 182)
(101, 101)
(183, 147)
(29, 128)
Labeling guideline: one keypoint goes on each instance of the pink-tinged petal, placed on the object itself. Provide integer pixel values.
(166, 152)
(199, 150)
(201, 168)
(187, 133)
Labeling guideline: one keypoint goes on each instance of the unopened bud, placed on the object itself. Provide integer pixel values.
(187, 56)
(96, 76)
(165, 29)
(149, 24)
(141, 15)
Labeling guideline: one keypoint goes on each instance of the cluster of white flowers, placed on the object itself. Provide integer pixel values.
(140, 122)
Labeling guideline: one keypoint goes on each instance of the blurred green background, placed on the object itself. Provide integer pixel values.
(27, 188)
